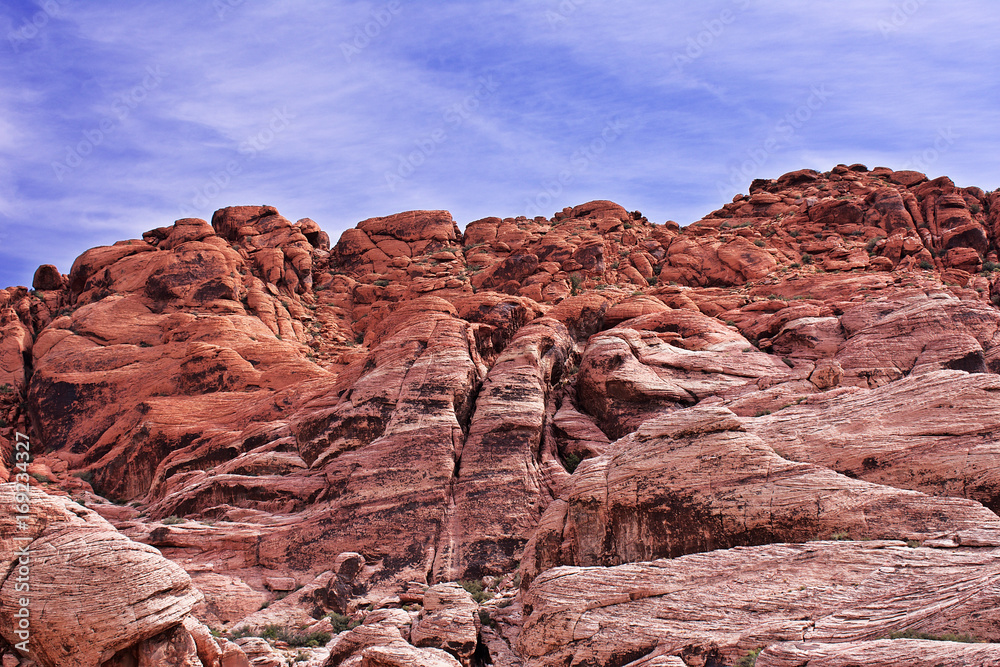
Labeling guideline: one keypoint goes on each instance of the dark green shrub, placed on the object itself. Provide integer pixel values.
(341, 623)
(476, 590)
(750, 659)
(484, 618)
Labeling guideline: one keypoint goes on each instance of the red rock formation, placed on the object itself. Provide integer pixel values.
(715, 607)
(417, 399)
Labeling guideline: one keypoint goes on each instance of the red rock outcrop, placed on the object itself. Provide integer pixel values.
(91, 591)
(695, 481)
(881, 653)
(714, 607)
(434, 405)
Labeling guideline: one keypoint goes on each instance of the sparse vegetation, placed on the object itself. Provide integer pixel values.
(750, 659)
(484, 618)
(381, 282)
(575, 280)
(570, 462)
(759, 243)
(476, 590)
(840, 537)
(282, 634)
(762, 413)
(341, 623)
(975, 208)
(807, 258)
(40, 477)
(6, 389)
(924, 264)
(173, 519)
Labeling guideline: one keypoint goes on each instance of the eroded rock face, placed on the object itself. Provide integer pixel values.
(718, 606)
(660, 362)
(946, 420)
(694, 481)
(82, 609)
(449, 621)
(816, 358)
(880, 653)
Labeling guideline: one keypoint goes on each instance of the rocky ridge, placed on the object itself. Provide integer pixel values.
(574, 415)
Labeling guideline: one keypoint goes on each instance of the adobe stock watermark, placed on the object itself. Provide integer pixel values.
(580, 161)
(454, 117)
(31, 27)
(219, 181)
(779, 138)
(902, 12)
(121, 106)
(697, 44)
(223, 7)
(21, 570)
(364, 33)
(922, 161)
(564, 10)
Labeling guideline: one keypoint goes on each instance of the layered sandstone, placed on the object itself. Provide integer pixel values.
(350, 426)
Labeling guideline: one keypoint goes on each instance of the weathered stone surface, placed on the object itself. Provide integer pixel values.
(419, 397)
(403, 655)
(448, 621)
(173, 648)
(664, 361)
(887, 340)
(695, 481)
(412, 226)
(259, 652)
(500, 491)
(935, 432)
(717, 606)
(880, 653)
(47, 277)
(93, 591)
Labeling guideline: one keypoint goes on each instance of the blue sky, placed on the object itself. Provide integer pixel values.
(119, 117)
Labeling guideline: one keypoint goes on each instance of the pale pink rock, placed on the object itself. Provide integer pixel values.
(93, 591)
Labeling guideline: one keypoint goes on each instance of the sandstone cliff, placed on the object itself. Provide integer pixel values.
(777, 427)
